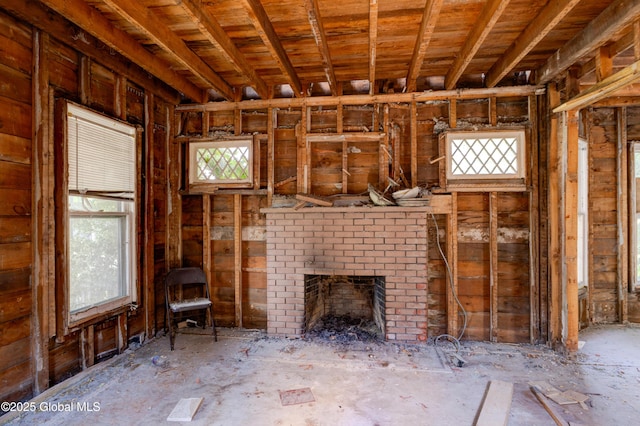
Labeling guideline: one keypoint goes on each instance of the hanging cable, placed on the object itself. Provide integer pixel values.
(453, 339)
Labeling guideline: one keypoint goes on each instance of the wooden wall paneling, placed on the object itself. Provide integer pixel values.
(555, 224)
(60, 213)
(493, 111)
(84, 80)
(413, 117)
(493, 265)
(622, 210)
(173, 236)
(43, 238)
(632, 229)
(87, 349)
(122, 331)
(452, 256)
(534, 208)
(383, 158)
(453, 115)
(120, 97)
(302, 153)
(271, 125)
(345, 167)
(147, 191)
(571, 230)
(237, 224)
(207, 253)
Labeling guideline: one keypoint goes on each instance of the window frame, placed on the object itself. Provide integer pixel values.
(69, 321)
(487, 182)
(191, 173)
(633, 216)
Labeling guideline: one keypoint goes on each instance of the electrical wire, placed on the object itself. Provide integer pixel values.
(455, 340)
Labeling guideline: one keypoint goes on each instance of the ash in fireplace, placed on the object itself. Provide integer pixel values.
(344, 329)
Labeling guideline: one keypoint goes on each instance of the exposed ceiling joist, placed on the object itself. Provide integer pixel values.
(143, 19)
(315, 20)
(93, 22)
(624, 43)
(216, 35)
(427, 25)
(613, 19)
(264, 27)
(488, 19)
(373, 43)
(544, 22)
(603, 89)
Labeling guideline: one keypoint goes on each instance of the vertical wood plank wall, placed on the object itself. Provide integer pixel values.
(37, 69)
(413, 144)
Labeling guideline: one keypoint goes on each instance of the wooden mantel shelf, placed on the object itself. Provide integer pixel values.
(439, 204)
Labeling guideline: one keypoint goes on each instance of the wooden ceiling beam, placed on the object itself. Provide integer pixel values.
(143, 19)
(315, 20)
(427, 25)
(604, 63)
(264, 27)
(603, 89)
(537, 29)
(212, 30)
(94, 23)
(599, 31)
(436, 95)
(373, 43)
(489, 16)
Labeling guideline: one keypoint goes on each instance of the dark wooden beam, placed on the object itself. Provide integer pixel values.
(264, 27)
(613, 19)
(94, 23)
(489, 16)
(212, 30)
(373, 43)
(144, 20)
(315, 20)
(537, 29)
(427, 25)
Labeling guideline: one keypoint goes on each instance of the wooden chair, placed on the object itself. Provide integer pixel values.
(186, 290)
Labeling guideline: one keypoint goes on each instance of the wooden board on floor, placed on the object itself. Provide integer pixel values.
(496, 405)
(184, 410)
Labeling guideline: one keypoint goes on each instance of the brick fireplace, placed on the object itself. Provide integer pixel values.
(387, 243)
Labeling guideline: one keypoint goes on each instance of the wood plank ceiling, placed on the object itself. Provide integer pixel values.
(262, 49)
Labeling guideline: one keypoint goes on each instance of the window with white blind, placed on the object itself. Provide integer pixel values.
(101, 198)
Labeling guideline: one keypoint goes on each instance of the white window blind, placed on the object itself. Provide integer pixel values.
(101, 153)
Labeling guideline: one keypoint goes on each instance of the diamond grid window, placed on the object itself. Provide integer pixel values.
(221, 162)
(484, 155)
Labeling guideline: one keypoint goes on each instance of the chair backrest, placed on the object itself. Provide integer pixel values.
(185, 276)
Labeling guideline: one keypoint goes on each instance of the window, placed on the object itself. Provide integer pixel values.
(100, 213)
(476, 159)
(634, 219)
(583, 210)
(221, 162)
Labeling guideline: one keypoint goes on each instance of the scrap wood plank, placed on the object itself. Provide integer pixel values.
(552, 411)
(314, 199)
(185, 409)
(496, 405)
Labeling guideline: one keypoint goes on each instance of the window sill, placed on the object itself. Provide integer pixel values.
(99, 313)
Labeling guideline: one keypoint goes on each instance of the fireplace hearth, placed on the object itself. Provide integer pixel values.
(379, 250)
(345, 304)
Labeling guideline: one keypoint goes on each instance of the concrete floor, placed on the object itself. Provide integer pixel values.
(241, 378)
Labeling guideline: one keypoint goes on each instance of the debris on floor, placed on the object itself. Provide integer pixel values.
(296, 396)
(342, 329)
(496, 404)
(185, 409)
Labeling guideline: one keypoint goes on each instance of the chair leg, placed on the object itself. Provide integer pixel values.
(172, 331)
(213, 324)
